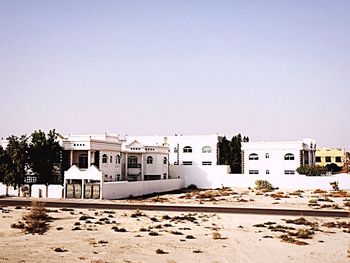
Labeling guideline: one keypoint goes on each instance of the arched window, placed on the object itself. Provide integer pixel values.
(165, 160)
(149, 160)
(289, 157)
(267, 155)
(267, 171)
(132, 160)
(206, 149)
(117, 159)
(187, 149)
(253, 156)
(104, 158)
(111, 159)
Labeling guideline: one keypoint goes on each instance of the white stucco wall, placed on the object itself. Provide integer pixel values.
(215, 177)
(117, 190)
(275, 163)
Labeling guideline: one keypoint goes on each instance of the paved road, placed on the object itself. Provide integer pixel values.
(174, 208)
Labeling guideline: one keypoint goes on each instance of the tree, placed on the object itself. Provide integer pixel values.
(44, 152)
(230, 152)
(17, 152)
(6, 168)
(333, 168)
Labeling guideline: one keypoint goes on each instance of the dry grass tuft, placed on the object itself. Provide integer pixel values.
(36, 220)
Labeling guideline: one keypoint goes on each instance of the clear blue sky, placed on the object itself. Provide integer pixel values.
(272, 70)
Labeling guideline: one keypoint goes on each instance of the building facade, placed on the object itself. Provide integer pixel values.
(187, 149)
(277, 157)
(326, 155)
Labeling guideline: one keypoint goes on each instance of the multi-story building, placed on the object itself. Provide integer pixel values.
(277, 157)
(145, 162)
(187, 149)
(326, 155)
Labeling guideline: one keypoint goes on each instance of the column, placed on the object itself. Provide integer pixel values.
(142, 172)
(71, 158)
(126, 166)
(89, 158)
(82, 188)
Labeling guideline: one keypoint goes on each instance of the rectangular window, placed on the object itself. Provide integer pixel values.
(338, 159)
(289, 172)
(253, 171)
(318, 159)
(206, 163)
(187, 163)
(328, 159)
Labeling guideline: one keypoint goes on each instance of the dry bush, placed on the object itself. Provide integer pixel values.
(177, 233)
(338, 194)
(137, 213)
(300, 221)
(319, 191)
(161, 251)
(117, 229)
(288, 239)
(280, 195)
(36, 221)
(263, 185)
(19, 225)
(216, 235)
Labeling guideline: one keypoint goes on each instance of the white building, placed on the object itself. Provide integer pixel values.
(277, 158)
(187, 149)
(144, 162)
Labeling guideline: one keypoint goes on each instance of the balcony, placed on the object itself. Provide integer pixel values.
(134, 165)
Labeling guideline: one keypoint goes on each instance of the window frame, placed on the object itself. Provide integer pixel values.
(253, 157)
(187, 149)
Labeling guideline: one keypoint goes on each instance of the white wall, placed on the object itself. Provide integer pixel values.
(117, 190)
(54, 191)
(217, 176)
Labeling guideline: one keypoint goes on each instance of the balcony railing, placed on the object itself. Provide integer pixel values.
(134, 165)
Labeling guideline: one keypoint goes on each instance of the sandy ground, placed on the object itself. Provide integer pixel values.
(238, 240)
(280, 198)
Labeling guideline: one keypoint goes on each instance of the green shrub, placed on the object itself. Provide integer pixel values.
(311, 170)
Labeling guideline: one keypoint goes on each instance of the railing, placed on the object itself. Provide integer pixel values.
(134, 165)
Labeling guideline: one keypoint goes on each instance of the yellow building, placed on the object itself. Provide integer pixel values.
(326, 156)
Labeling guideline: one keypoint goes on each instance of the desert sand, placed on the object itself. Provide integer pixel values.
(138, 236)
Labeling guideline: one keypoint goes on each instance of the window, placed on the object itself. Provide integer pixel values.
(164, 176)
(253, 156)
(149, 160)
(117, 159)
(267, 171)
(289, 157)
(267, 156)
(132, 160)
(83, 160)
(289, 172)
(328, 159)
(175, 150)
(206, 149)
(318, 159)
(253, 171)
(187, 163)
(206, 163)
(104, 158)
(165, 160)
(187, 149)
(338, 159)
(110, 159)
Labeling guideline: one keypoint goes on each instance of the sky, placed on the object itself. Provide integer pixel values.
(270, 70)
